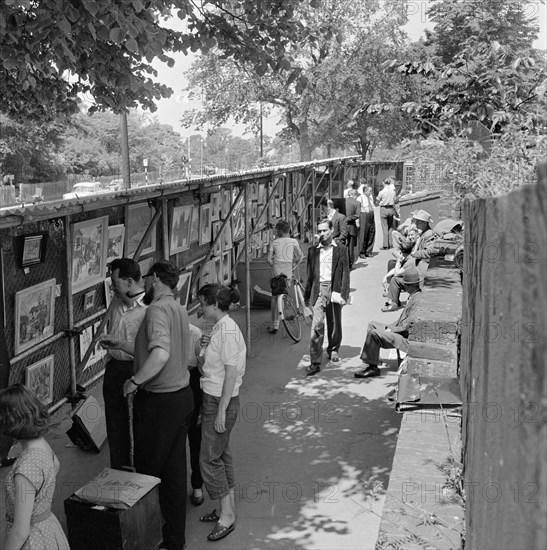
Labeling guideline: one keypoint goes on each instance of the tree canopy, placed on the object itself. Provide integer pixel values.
(53, 50)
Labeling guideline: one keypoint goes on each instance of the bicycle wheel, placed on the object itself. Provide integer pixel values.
(300, 307)
(291, 320)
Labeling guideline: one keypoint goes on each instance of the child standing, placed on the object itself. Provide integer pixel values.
(31, 482)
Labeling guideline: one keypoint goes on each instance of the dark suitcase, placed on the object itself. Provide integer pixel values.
(91, 527)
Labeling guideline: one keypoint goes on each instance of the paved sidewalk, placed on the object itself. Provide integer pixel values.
(312, 455)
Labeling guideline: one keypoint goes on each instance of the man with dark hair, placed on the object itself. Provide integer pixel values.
(164, 402)
(125, 316)
(339, 231)
(367, 233)
(382, 336)
(327, 290)
(353, 213)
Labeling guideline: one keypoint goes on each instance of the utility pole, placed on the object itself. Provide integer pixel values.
(261, 133)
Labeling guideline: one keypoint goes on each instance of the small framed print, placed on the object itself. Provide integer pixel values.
(205, 224)
(226, 267)
(216, 206)
(89, 300)
(227, 243)
(194, 226)
(39, 379)
(226, 203)
(114, 248)
(180, 229)
(108, 291)
(183, 287)
(217, 250)
(32, 249)
(137, 220)
(253, 191)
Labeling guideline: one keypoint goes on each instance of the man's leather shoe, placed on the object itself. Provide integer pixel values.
(314, 368)
(391, 307)
(369, 372)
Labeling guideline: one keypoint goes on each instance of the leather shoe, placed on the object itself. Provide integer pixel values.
(197, 501)
(392, 307)
(369, 372)
(272, 330)
(334, 357)
(312, 369)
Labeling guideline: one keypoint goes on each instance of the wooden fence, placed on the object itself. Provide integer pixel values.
(503, 361)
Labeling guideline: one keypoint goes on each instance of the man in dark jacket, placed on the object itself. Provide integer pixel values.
(353, 213)
(382, 336)
(339, 229)
(327, 290)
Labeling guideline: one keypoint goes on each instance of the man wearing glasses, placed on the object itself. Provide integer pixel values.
(164, 400)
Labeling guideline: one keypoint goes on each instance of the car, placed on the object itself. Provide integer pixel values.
(116, 185)
(84, 189)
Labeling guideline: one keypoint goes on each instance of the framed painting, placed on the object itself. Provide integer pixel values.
(89, 240)
(216, 206)
(39, 379)
(137, 220)
(217, 262)
(217, 251)
(226, 203)
(108, 291)
(183, 287)
(238, 221)
(227, 243)
(253, 191)
(180, 229)
(205, 224)
(34, 315)
(32, 249)
(226, 267)
(114, 248)
(194, 226)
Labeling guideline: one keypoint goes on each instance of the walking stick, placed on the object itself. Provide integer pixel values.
(131, 467)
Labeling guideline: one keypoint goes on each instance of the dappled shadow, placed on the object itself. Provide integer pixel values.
(439, 280)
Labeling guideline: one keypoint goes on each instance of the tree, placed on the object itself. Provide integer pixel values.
(312, 117)
(53, 50)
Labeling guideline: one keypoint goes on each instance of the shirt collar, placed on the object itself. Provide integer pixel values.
(164, 294)
(332, 243)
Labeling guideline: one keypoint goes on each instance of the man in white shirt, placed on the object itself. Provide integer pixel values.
(386, 200)
(126, 315)
(328, 276)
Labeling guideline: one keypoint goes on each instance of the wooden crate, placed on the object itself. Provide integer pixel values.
(91, 527)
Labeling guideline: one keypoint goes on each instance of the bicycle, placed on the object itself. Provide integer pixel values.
(292, 311)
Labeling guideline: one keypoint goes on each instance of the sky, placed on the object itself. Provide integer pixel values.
(170, 110)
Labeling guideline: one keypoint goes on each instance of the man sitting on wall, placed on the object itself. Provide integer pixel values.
(381, 336)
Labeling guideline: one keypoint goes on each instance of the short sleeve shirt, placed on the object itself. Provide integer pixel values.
(285, 251)
(227, 347)
(124, 324)
(165, 326)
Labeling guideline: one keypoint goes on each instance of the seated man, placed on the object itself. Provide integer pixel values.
(425, 246)
(393, 279)
(381, 336)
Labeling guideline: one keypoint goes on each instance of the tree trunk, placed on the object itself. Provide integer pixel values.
(305, 147)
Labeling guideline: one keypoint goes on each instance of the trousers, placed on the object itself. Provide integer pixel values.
(333, 312)
(386, 217)
(379, 338)
(161, 427)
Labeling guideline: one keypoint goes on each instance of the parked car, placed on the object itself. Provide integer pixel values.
(86, 188)
(115, 185)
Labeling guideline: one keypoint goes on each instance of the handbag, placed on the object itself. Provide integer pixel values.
(278, 285)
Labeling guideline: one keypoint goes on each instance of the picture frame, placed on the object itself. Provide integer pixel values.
(226, 203)
(183, 287)
(32, 249)
(217, 273)
(39, 379)
(114, 247)
(180, 229)
(194, 226)
(238, 221)
(205, 224)
(262, 193)
(216, 206)
(145, 265)
(226, 267)
(89, 300)
(137, 219)
(217, 250)
(108, 291)
(88, 240)
(227, 243)
(253, 191)
(34, 315)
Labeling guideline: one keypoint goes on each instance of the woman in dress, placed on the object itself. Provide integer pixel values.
(223, 370)
(31, 482)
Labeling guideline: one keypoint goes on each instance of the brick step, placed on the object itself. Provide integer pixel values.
(430, 367)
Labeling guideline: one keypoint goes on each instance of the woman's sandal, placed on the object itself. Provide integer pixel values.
(220, 531)
(211, 516)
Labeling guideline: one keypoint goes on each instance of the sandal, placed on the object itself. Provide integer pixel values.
(211, 516)
(220, 531)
